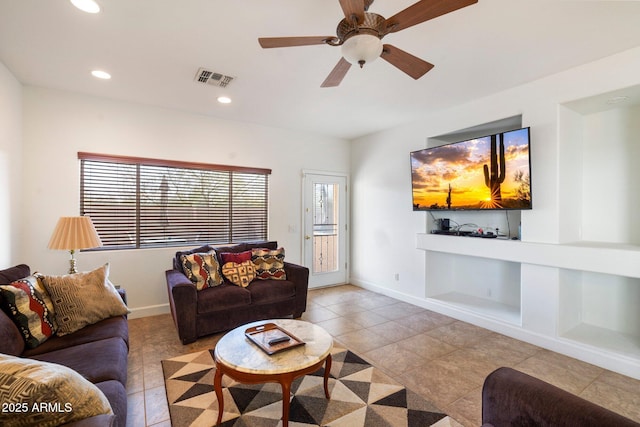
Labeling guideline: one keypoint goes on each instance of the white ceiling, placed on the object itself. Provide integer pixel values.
(153, 49)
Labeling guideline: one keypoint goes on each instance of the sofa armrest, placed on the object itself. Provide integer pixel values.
(183, 299)
(299, 275)
(510, 397)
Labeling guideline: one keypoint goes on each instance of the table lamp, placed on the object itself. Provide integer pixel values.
(73, 233)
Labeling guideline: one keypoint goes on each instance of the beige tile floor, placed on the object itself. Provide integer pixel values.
(443, 359)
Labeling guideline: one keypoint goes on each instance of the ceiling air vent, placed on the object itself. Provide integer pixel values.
(212, 78)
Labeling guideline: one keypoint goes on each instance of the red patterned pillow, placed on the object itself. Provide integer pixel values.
(239, 274)
(237, 257)
(202, 269)
(31, 309)
(269, 263)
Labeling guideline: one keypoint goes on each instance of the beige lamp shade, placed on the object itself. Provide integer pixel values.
(74, 232)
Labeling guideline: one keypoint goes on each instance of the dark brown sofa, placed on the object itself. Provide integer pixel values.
(98, 352)
(226, 306)
(512, 398)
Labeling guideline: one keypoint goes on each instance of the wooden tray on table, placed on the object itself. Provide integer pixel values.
(272, 339)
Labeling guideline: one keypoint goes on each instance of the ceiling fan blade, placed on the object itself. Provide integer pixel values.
(269, 42)
(351, 8)
(412, 65)
(423, 11)
(337, 74)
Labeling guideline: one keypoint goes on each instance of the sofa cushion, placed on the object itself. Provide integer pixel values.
(202, 269)
(264, 291)
(269, 263)
(11, 274)
(50, 394)
(240, 274)
(96, 361)
(177, 260)
(83, 299)
(223, 297)
(11, 340)
(113, 327)
(29, 306)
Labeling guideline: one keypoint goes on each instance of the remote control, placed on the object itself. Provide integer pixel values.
(278, 340)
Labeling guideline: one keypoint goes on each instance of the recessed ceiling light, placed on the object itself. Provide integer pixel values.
(89, 6)
(224, 100)
(101, 74)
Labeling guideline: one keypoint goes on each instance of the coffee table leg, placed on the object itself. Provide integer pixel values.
(217, 385)
(286, 400)
(327, 371)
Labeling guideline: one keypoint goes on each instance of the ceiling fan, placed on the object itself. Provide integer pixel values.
(360, 34)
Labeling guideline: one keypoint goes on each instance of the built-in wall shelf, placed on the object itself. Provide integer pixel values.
(610, 258)
(481, 306)
(581, 297)
(606, 339)
(572, 284)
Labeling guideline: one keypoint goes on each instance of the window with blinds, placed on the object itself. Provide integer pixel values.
(145, 203)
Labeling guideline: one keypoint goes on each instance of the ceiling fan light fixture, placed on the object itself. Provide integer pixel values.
(361, 48)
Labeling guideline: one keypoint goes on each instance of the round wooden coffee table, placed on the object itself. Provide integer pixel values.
(238, 357)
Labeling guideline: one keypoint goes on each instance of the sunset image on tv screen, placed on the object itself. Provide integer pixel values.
(485, 173)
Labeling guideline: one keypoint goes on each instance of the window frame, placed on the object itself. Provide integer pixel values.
(184, 167)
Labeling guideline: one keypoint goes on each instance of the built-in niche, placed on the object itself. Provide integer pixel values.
(483, 286)
(600, 310)
(508, 221)
(599, 175)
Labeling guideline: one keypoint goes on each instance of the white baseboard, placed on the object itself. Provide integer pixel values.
(151, 310)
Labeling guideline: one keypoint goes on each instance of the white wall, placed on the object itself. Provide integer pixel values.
(10, 166)
(610, 209)
(59, 124)
(380, 171)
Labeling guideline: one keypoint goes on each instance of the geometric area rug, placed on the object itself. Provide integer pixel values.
(361, 396)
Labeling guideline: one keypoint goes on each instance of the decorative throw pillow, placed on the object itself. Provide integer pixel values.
(30, 308)
(83, 299)
(269, 263)
(237, 257)
(46, 394)
(202, 269)
(239, 274)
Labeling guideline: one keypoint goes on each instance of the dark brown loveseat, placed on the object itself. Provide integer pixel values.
(226, 306)
(512, 398)
(98, 352)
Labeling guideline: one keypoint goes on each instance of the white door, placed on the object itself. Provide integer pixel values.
(325, 228)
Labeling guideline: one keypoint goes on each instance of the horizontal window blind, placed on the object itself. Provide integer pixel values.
(144, 203)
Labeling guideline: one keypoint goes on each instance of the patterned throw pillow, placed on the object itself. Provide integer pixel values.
(269, 263)
(202, 269)
(46, 394)
(237, 257)
(239, 274)
(29, 305)
(83, 299)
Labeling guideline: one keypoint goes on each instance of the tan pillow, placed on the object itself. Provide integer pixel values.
(83, 299)
(35, 393)
(239, 274)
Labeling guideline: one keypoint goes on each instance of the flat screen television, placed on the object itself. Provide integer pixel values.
(488, 173)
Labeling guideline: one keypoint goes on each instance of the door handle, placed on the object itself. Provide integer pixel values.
(306, 237)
